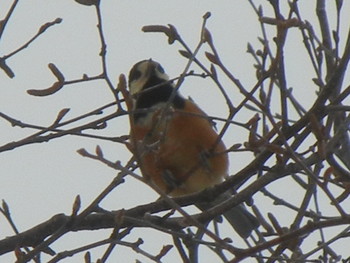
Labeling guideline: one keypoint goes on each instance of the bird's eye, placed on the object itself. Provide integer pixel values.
(160, 69)
(134, 75)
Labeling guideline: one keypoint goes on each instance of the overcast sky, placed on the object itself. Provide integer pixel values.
(41, 180)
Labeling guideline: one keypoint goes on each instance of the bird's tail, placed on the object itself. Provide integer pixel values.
(241, 220)
(239, 217)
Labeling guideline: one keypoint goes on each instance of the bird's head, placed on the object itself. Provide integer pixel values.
(146, 74)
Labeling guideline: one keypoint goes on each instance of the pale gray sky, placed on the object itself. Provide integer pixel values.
(41, 180)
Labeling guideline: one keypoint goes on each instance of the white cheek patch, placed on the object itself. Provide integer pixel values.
(137, 84)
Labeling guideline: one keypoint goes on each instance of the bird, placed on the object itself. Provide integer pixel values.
(176, 144)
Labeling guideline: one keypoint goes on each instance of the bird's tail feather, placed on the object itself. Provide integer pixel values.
(239, 217)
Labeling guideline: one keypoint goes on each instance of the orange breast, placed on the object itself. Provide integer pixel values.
(179, 151)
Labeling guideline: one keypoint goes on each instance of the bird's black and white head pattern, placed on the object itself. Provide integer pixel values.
(145, 74)
(150, 86)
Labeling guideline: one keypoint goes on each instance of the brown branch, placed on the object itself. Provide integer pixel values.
(88, 221)
(4, 22)
(108, 220)
(57, 133)
(292, 235)
(325, 30)
(41, 30)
